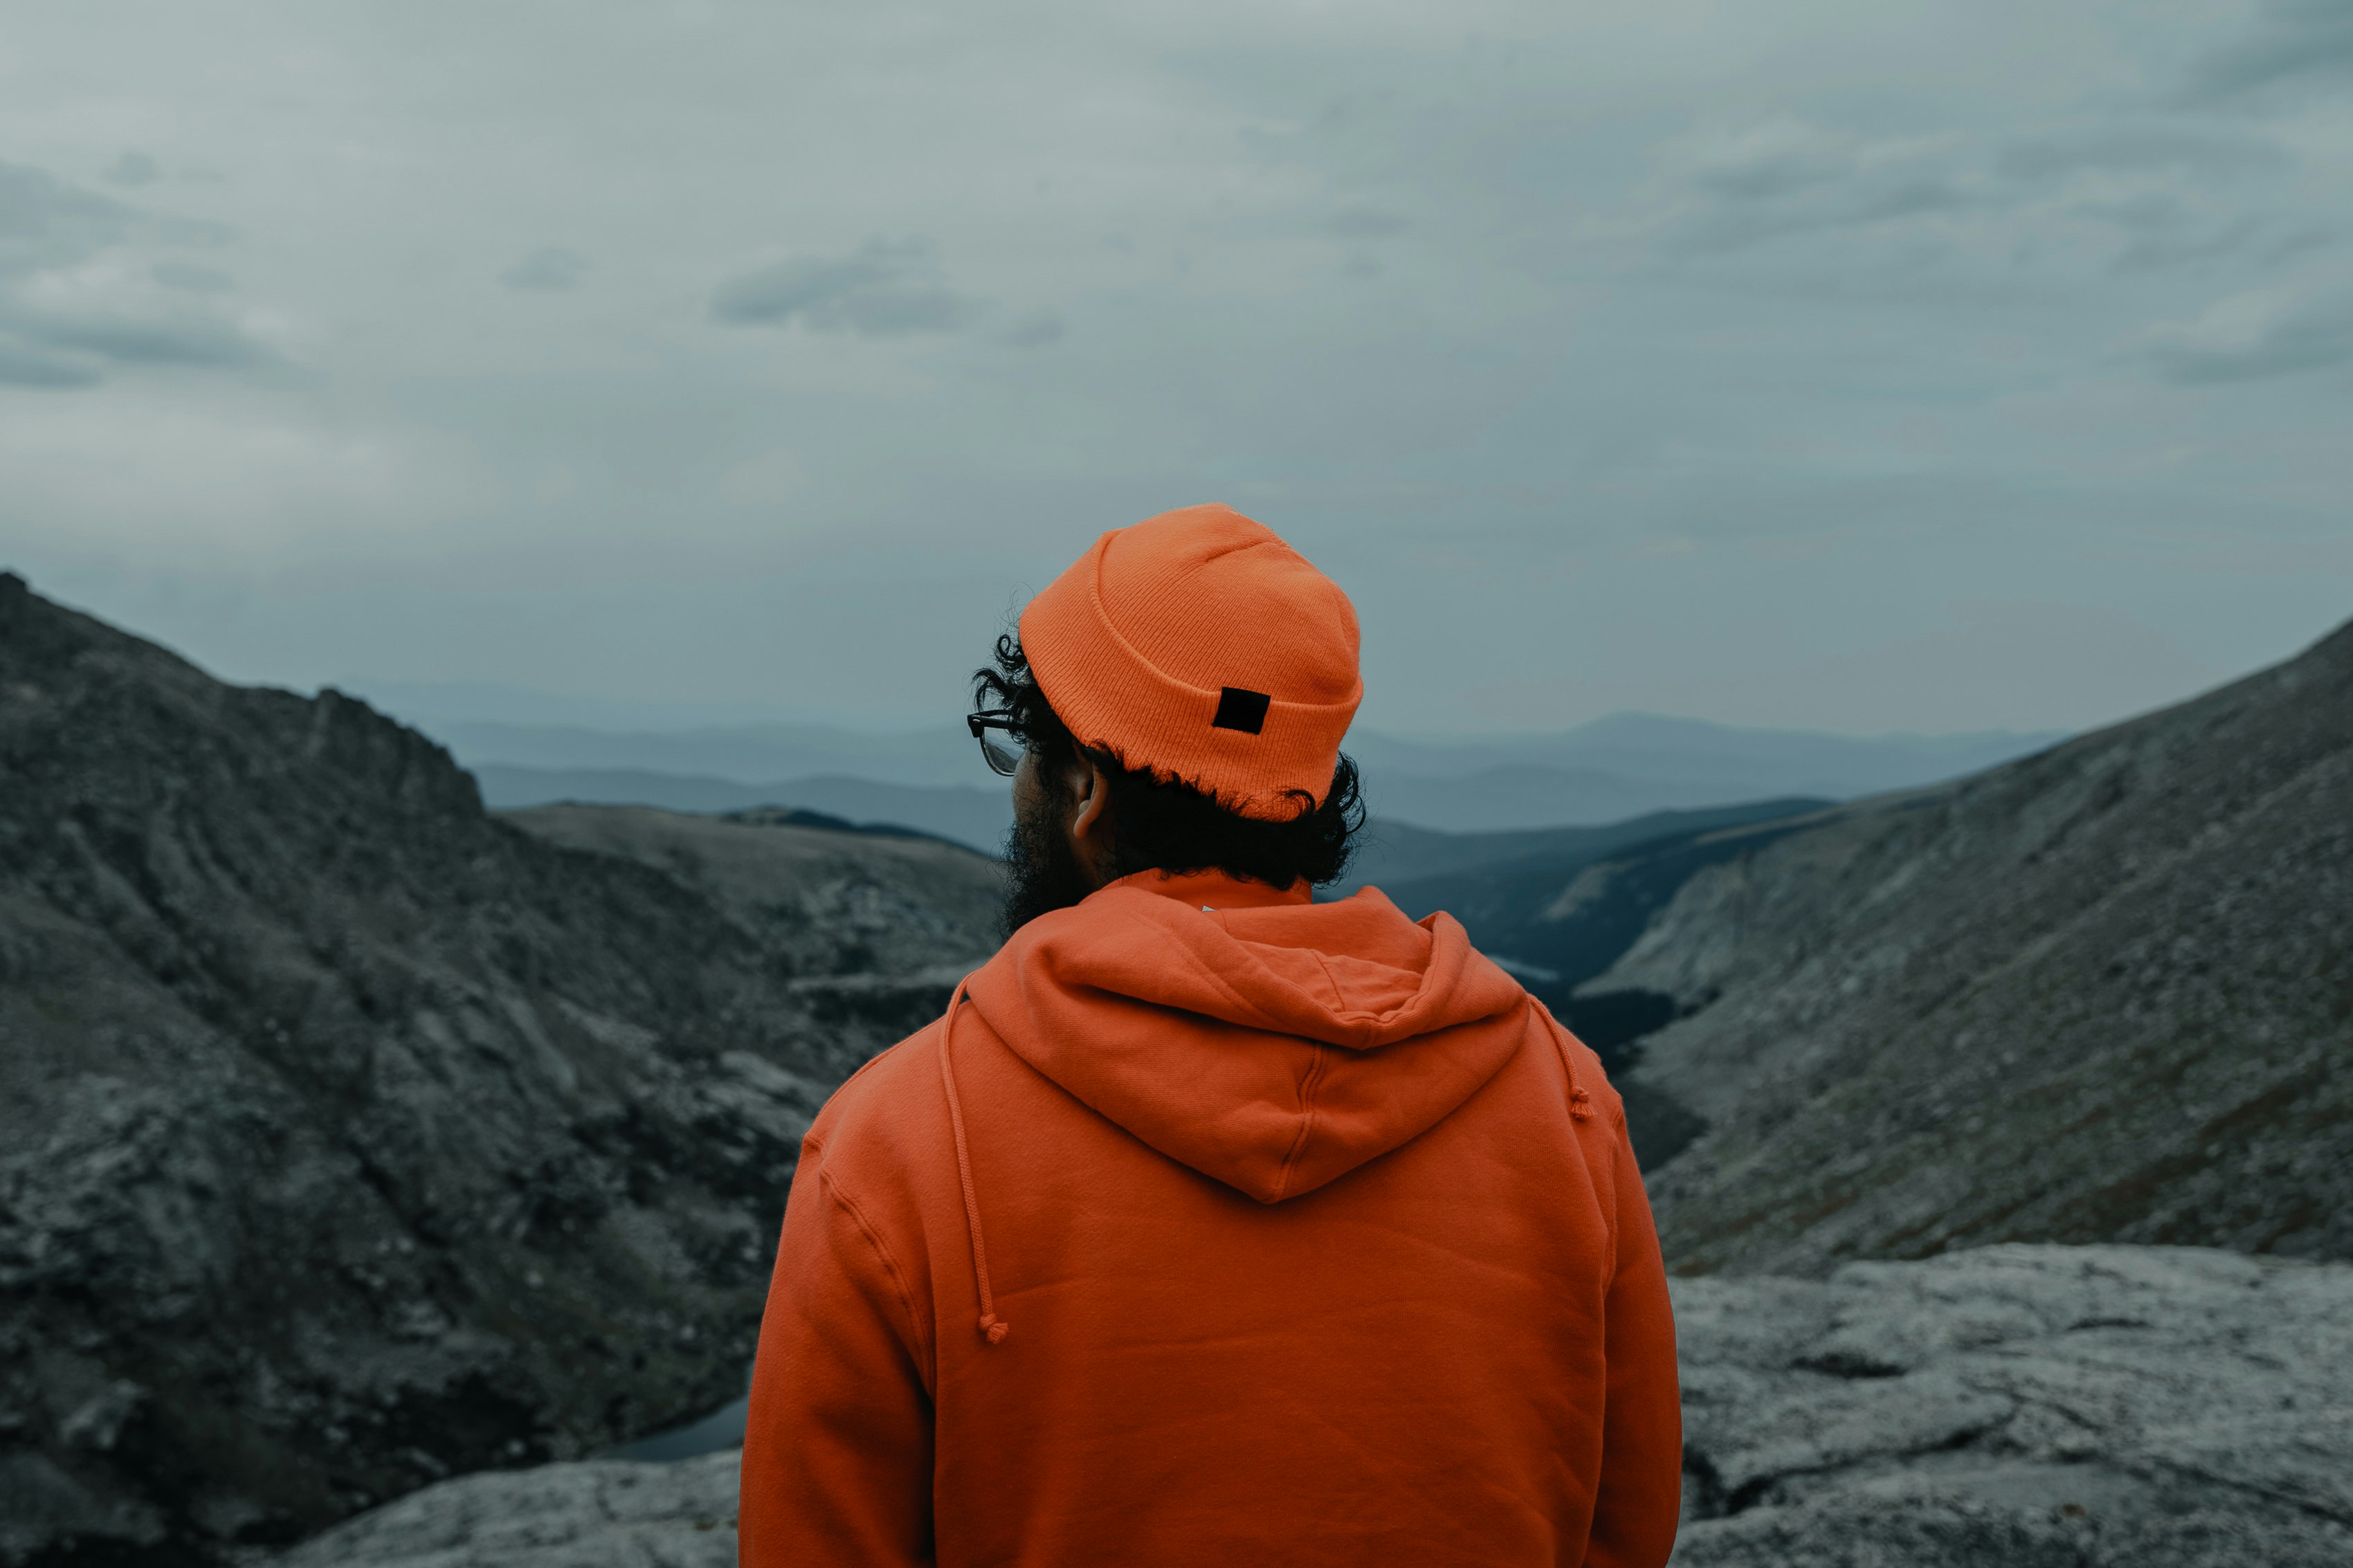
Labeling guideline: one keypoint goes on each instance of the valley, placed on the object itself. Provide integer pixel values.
(361, 1143)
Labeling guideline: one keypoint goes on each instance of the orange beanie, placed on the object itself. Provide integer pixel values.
(1201, 647)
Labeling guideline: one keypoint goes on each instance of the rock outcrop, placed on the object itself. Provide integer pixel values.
(2021, 1406)
(874, 929)
(2102, 993)
(613, 1513)
(2006, 1408)
(351, 1136)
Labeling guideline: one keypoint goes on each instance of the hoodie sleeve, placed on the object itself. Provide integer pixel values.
(838, 1444)
(1640, 1494)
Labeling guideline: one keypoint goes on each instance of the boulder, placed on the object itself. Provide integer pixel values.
(2016, 1405)
(615, 1513)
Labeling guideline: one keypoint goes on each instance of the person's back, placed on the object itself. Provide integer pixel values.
(1210, 1224)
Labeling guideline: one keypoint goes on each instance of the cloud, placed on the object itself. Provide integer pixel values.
(44, 223)
(2161, 230)
(27, 367)
(133, 169)
(2255, 336)
(1366, 222)
(1886, 337)
(1785, 177)
(2137, 148)
(192, 340)
(74, 304)
(2136, 194)
(881, 290)
(193, 278)
(1035, 330)
(2294, 46)
(550, 269)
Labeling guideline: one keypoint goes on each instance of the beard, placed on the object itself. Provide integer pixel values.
(1043, 873)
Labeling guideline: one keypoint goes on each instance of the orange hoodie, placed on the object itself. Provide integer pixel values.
(1212, 1226)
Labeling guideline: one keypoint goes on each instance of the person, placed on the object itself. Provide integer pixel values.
(1211, 1224)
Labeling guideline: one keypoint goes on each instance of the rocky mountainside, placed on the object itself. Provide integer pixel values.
(2008, 1407)
(351, 1136)
(2022, 1407)
(878, 926)
(2102, 993)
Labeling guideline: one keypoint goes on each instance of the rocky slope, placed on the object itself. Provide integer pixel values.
(2008, 1407)
(612, 1513)
(351, 1136)
(2102, 993)
(877, 927)
(2017, 1406)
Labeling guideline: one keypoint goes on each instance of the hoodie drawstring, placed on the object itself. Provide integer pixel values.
(1580, 1104)
(992, 1327)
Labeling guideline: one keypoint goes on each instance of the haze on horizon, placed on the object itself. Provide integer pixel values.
(1914, 367)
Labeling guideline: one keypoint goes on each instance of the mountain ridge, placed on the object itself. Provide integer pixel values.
(351, 1135)
(2105, 993)
(976, 819)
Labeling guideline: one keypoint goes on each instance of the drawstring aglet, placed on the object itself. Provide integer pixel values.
(1580, 1105)
(994, 1327)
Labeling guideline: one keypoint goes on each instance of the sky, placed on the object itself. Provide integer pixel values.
(1856, 366)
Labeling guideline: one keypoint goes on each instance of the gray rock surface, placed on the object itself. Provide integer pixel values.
(838, 903)
(351, 1136)
(607, 1514)
(871, 933)
(2006, 1408)
(2102, 993)
(2080, 1407)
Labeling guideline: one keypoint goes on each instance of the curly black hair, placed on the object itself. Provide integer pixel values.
(1162, 823)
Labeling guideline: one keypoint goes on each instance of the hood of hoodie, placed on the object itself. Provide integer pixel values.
(1267, 1041)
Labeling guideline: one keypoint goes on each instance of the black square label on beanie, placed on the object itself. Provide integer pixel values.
(1239, 709)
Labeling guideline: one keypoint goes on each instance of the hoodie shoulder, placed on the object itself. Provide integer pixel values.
(885, 1109)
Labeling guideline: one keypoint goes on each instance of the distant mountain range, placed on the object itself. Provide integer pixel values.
(1655, 746)
(1612, 769)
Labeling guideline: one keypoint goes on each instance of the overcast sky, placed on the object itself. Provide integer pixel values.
(1860, 364)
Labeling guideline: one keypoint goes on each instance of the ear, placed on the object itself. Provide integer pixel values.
(1089, 828)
